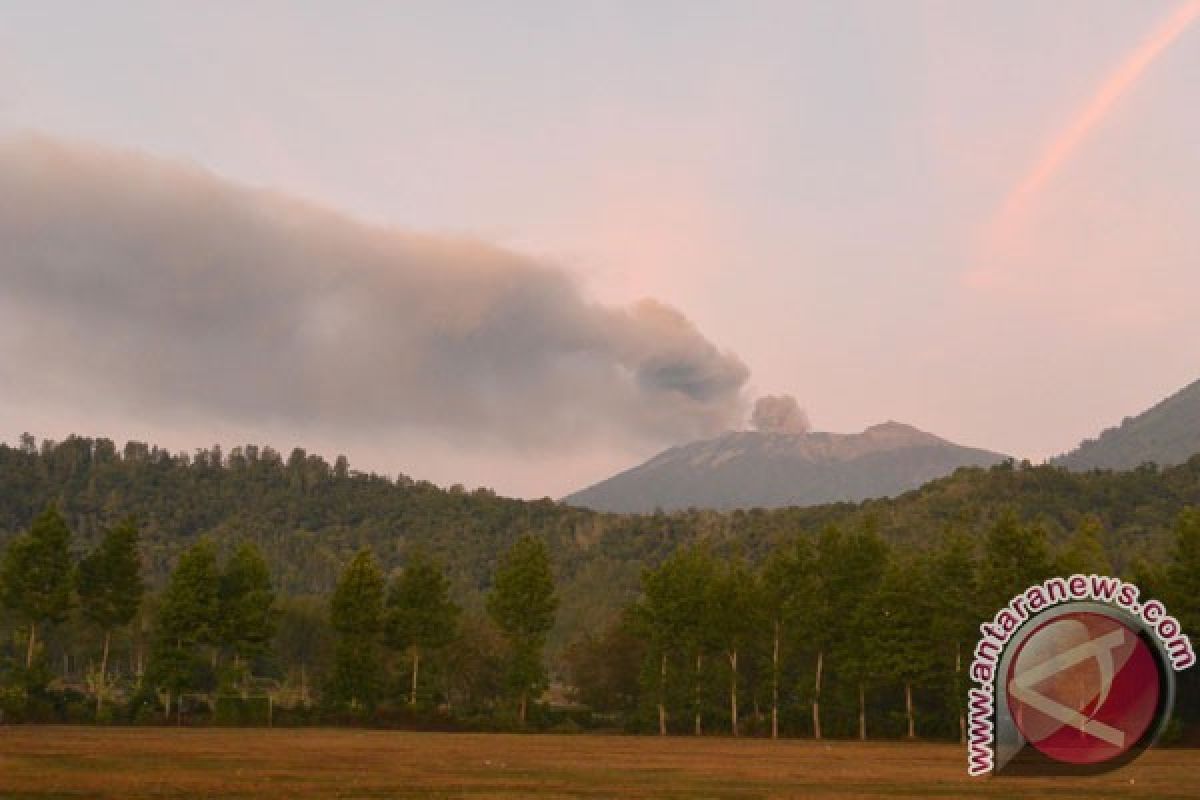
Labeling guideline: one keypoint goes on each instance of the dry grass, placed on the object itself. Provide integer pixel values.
(62, 762)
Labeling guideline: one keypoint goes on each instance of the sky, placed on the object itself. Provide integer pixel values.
(559, 237)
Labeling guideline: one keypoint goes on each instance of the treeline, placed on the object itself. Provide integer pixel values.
(831, 633)
(842, 633)
(214, 634)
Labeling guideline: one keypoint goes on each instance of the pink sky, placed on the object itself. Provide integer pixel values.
(976, 218)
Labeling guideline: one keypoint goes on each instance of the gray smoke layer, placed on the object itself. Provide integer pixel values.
(779, 414)
(163, 290)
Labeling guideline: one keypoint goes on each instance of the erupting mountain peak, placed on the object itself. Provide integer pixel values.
(772, 468)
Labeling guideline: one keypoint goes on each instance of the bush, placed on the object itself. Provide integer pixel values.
(567, 725)
(144, 708)
(233, 710)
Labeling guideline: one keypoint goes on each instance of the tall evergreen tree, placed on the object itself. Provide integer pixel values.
(357, 615)
(856, 584)
(247, 606)
(110, 587)
(188, 618)
(734, 608)
(1015, 556)
(1180, 589)
(675, 611)
(828, 610)
(522, 603)
(661, 614)
(1084, 552)
(35, 575)
(789, 585)
(955, 613)
(1182, 574)
(420, 614)
(904, 644)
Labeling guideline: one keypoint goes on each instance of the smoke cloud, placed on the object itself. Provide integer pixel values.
(779, 414)
(159, 289)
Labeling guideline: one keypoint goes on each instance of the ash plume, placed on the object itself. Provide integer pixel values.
(164, 291)
(779, 414)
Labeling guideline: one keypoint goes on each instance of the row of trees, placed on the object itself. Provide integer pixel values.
(891, 628)
(213, 621)
(416, 617)
(225, 613)
(839, 633)
(40, 584)
(214, 624)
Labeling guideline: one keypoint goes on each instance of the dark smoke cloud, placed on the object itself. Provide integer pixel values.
(779, 414)
(168, 292)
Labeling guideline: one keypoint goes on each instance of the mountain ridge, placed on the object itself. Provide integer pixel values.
(1166, 434)
(743, 469)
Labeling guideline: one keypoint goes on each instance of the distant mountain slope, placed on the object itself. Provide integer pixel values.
(751, 469)
(1167, 434)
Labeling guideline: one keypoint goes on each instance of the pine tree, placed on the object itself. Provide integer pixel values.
(851, 568)
(522, 603)
(247, 605)
(826, 610)
(188, 618)
(955, 613)
(904, 644)
(660, 614)
(1182, 574)
(421, 616)
(357, 615)
(35, 576)
(734, 606)
(110, 587)
(1015, 557)
(675, 612)
(1084, 552)
(859, 600)
(788, 594)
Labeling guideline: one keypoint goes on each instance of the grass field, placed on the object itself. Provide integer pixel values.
(62, 762)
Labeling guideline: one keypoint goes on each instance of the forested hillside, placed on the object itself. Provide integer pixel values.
(1167, 434)
(345, 596)
(309, 516)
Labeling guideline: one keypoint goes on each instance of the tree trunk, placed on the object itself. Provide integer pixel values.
(816, 704)
(733, 687)
(775, 685)
(908, 709)
(662, 696)
(862, 712)
(524, 703)
(29, 649)
(412, 698)
(962, 717)
(698, 729)
(103, 685)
